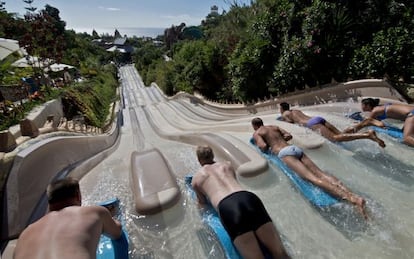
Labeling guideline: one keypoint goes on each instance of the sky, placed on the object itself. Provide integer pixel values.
(85, 15)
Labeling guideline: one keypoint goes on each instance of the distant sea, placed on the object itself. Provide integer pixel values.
(128, 31)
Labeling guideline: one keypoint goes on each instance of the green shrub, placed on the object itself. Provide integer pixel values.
(92, 98)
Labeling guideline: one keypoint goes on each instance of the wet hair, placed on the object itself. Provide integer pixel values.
(257, 122)
(285, 106)
(371, 102)
(62, 190)
(205, 155)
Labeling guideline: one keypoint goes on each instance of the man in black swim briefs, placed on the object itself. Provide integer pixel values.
(323, 127)
(242, 213)
(242, 203)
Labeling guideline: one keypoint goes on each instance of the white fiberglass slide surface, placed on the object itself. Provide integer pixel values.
(153, 121)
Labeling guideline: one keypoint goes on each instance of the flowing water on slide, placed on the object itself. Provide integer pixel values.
(384, 177)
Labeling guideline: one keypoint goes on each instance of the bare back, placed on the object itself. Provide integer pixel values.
(72, 232)
(394, 111)
(273, 136)
(215, 181)
(296, 116)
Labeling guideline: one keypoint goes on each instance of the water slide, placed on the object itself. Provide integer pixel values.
(149, 120)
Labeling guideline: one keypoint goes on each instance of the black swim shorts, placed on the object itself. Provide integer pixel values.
(241, 212)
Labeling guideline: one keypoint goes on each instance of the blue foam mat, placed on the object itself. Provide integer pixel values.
(212, 219)
(313, 193)
(113, 249)
(389, 129)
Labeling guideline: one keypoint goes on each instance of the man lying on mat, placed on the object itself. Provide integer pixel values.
(69, 230)
(242, 213)
(275, 138)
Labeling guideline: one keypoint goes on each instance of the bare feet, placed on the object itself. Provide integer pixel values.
(360, 204)
(372, 135)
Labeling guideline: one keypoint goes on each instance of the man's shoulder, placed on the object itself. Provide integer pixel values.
(223, 163)
(87, 209)
(94, 207)
(296, 112)
(379, 108)
(196, 175)
(271, 127)
(289, 114)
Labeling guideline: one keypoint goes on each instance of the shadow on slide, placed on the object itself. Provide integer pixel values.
(388, 166)
(382, 163)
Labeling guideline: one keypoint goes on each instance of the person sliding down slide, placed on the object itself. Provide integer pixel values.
(68, 230)
(326, 129)
(275, 139)
(403, 112)
(241, 212)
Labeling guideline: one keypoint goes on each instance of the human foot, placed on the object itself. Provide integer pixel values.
(372, 135)
(360, 204)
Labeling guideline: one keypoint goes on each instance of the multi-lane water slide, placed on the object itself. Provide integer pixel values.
(176, 126)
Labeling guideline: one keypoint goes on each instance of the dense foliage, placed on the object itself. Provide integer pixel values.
(92, 98)
(273, 47)
(43, 34)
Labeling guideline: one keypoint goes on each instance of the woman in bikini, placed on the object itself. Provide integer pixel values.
(398, 111)
(324, 128)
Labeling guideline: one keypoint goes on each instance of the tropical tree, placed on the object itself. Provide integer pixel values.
(30, 8)
(199, 67)
(11, 27)
(250, 69)
(45, 36)
(252, 63)
(275, 47)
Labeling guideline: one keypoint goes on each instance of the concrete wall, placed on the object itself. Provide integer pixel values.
(29, 127)
(338, 92)
(341, 92)
(36, 166)
(39, 114)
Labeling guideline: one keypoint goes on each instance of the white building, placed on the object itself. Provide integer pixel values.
(214, 9)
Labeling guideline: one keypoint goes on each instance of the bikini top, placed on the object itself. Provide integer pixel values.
(384, 116)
